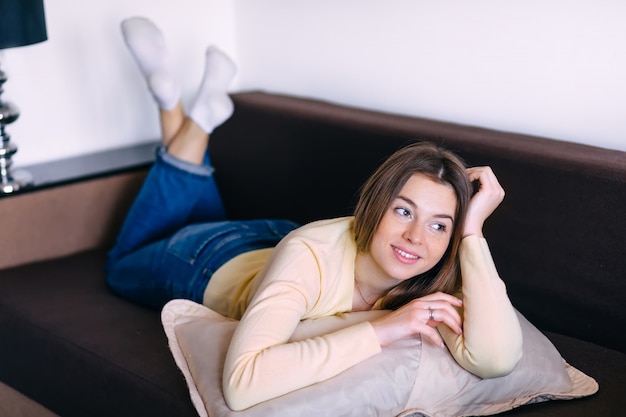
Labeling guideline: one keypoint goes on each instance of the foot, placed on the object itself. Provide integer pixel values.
(147, 46)
(212, 106)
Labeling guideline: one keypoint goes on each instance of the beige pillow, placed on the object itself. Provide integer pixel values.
(443, 388)
(406, 379)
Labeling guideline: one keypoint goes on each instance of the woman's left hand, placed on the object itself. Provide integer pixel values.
(489, 196)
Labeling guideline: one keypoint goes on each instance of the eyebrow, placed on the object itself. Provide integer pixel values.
(414, 206)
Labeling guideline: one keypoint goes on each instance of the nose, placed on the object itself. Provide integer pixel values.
(413, 233)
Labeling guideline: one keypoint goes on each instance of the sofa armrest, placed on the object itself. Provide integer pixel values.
(64, 220)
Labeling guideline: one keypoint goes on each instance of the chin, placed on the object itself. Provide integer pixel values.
(404, 276)
(412, 274)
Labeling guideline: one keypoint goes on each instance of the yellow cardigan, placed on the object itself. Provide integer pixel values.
(310, 274)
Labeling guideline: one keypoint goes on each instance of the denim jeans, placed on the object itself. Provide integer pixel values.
(176, 235)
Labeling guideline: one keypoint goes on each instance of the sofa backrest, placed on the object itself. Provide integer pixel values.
(557, 239)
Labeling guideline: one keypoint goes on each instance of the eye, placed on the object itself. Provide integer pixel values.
(439, 227)
(403, 212)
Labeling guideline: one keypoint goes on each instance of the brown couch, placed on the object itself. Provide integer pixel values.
(558, 240)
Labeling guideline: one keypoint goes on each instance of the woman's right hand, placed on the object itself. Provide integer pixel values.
(420, 316)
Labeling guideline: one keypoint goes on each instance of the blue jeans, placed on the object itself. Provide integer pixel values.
(176, 235)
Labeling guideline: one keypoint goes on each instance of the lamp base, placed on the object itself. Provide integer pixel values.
(16, 181)
(11, 181)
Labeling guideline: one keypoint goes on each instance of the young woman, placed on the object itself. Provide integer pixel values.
(415, 232)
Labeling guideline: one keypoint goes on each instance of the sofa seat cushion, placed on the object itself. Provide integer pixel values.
(78, 349)
(75, 347)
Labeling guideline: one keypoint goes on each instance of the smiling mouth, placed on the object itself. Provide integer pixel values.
(405, 255)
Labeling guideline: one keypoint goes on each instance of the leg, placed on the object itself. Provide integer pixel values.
(179, 188)
(211, 107)
(190, 143)
(171, 123)
(181, 266)
(185, 138)
(147, 46)
(173, 191)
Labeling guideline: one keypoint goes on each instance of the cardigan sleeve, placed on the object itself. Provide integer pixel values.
(261, 362)
(491, 342)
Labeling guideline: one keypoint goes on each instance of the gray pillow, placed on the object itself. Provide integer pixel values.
(408, 378)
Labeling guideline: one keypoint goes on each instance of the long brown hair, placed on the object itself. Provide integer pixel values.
(383, 187)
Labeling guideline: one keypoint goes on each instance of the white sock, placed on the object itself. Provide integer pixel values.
(212, 106)
(147, 46)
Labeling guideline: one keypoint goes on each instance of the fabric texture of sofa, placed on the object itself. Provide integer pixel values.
(558, 239)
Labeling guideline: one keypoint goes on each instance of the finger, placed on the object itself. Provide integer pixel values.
(450, 318)
(477, 170)
(487, 177)
(443, 306)
(475, 173)
(435, 312)
(485, 172)
(439, 296)
(445, 313)
(433, 335)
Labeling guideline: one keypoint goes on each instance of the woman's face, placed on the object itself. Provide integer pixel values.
(415, 231)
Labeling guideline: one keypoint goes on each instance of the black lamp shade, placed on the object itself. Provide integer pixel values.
(22, 22)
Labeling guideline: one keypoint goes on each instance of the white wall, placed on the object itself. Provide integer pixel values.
(80, 91)
(555, 68)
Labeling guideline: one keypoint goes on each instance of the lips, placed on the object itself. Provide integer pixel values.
(405, 256)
